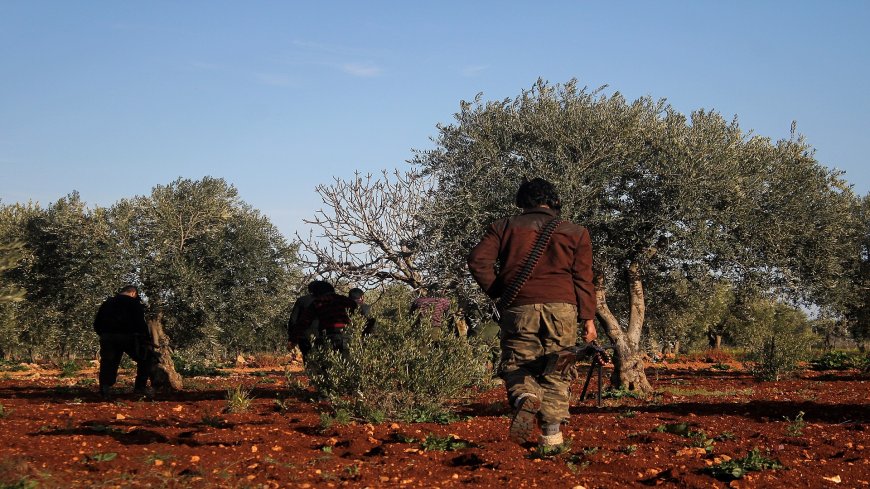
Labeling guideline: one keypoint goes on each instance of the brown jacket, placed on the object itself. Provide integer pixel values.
(563, 274)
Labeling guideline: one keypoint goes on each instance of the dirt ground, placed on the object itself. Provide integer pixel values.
(57, 433)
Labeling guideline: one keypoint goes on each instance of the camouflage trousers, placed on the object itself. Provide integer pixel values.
(527, 333)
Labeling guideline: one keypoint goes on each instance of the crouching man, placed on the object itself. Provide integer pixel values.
(120, 323)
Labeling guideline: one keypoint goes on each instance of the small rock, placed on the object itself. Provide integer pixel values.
(835, 479)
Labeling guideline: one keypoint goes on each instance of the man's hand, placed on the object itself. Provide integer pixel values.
(589, 333)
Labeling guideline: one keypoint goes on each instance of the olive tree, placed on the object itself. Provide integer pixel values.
(215, 269)
(663, 195)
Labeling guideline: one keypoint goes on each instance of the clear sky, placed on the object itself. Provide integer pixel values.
(112, 98)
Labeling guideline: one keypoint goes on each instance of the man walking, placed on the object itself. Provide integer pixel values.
(543, 288)
(120, 323)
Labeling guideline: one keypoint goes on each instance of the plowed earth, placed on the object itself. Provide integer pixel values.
(57, 433)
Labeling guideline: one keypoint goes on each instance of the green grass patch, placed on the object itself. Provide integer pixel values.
(734, 469)
(697, 438)
(447, 443)
(101, 457)
(239, 399)
(340, 417)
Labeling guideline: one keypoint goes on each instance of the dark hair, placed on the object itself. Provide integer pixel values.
(355, 293)
(129, 288)
(537, 192)
(320, 287)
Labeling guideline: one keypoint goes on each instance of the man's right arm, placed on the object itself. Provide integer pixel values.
(483, 258)
(98, 319)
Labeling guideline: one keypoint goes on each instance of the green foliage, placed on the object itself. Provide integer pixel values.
(8, 366)
(101, 457)
(216, 268)
(341, 417)
(669, 199)
(193, 366)
(163, 457)
(778, 337)
(22, 483)
(69, 369)
(629, 449)
(551, 451)
(698, 438)
(448, 443)
(620, 393)
(837, 360)
(402, 371)
(725, 436)
(213, 421)
(796, 426)
(239, 399)
(282, 405)
(10, 255)
(737, 468)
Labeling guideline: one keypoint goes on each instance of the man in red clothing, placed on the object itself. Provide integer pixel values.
(543, 317)
(431, 306)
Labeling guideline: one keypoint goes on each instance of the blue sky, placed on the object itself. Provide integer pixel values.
(112, 98)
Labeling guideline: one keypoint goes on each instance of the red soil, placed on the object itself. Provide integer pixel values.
(57, 433)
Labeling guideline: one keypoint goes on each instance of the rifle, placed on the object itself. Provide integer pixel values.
(562, 360)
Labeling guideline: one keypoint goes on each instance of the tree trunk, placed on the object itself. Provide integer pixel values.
(163, 374)
(628, 363)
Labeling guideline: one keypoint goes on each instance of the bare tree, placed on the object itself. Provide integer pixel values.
(370, 231)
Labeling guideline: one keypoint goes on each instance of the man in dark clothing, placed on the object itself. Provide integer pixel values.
(544, 314)
(296, 334)
(120, 323)
(332, 312)
(365, 310)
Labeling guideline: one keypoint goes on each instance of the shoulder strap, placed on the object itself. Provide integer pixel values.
(511, 292)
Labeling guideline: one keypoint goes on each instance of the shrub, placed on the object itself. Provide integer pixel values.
(238, 399)
(780, 339)
(69, 369)
(189, 366)
(399, 372)
(836, 360)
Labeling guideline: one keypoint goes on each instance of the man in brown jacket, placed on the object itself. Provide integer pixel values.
(544, 315)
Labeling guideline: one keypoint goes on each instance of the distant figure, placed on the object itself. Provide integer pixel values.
(332, 313)
(430, 306)
(300, 336)
(120, 323)
(358, 295)
(541, 297)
